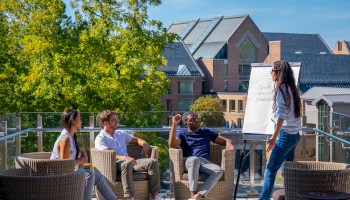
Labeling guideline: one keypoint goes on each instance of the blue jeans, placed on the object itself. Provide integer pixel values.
(283, 151)
(97, 179)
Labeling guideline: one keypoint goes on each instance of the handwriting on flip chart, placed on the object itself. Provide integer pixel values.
(258, 112)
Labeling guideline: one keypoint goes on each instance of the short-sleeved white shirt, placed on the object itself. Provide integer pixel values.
(118, 142)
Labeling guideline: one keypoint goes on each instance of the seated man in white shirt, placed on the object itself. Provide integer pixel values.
(110, 138)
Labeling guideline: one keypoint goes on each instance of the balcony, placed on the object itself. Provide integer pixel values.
(36, 132)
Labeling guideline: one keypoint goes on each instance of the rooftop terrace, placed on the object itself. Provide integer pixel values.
(27, 132)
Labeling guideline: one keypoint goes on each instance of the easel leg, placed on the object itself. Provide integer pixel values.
(239, 169)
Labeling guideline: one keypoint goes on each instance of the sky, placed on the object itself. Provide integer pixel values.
(329, 18)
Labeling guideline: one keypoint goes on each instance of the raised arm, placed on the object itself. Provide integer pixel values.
(174, 142)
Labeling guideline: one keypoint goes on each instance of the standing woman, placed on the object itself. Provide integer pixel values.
(66, 147)
(287, 113)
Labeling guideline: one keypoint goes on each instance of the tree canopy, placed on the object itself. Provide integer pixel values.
(107, 58)
(210, 111)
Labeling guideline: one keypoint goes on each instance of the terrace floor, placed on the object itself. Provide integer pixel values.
(243, 190)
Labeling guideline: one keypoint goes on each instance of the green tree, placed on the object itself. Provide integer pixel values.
(210, 111)
(107, 58)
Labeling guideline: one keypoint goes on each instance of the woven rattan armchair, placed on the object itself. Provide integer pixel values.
(218, 155)
(315, 176)
(104, 161)
(41, 165)
(19, 184)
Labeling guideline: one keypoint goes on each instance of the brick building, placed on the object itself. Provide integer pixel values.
(224, 48)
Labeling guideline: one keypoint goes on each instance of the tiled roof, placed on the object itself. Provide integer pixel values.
(207, 36)
(208, 50)
(322, 69)
(180, 61)
(304, 43)
(305, 87)
(316, 92)
(225, 29)
(333, 99)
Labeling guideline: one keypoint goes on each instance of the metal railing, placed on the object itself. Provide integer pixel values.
(16, 138)
(11, 144)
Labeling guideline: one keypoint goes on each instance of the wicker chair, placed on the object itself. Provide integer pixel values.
(218, 155)
(311, 176)
(104, 161)
(41, 165)
(18, 184)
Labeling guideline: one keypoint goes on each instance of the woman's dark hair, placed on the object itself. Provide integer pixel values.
(66, 122)
(285, 77)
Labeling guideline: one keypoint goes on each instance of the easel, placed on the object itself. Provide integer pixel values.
(254, 140)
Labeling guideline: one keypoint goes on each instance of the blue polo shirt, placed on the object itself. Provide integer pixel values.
(197, 143)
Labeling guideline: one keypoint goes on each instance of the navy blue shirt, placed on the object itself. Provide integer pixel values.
(197, 143)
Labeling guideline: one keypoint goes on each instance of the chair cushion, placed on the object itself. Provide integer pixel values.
(278, 194)
(137, 176)
(202, 177)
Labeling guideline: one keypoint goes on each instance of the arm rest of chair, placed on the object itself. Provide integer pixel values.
(228, 163)
(104, 161)
(155, 152)
(176, 158)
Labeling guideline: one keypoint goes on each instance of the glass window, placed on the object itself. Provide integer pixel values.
(225, 69)
(232, 105)
(243, 86)
(240, 106)
(203, 86)
(246, 56)
(224, 103)
(244, 70)
(240, 122)
(225, 86)
(184, 104)
(185, 87)
(222, 54)
(168, 105)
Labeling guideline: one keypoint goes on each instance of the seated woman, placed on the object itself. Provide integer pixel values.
(66, 147)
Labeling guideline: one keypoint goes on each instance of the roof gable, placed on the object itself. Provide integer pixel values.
(205, 37)
(333, 99)
(304, 43)
(317, 92)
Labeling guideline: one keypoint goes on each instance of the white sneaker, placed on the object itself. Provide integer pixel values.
(245, 176)
(257, 176)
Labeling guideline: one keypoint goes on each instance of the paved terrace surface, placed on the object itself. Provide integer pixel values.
(243, 189)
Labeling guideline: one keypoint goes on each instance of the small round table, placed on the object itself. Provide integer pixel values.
(323, 195)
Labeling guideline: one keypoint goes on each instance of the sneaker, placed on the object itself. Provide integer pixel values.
(245, 176)
(257, 176)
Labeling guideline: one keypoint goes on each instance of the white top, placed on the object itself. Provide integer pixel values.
(291, 124)
(117, 142)
(55, 155)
